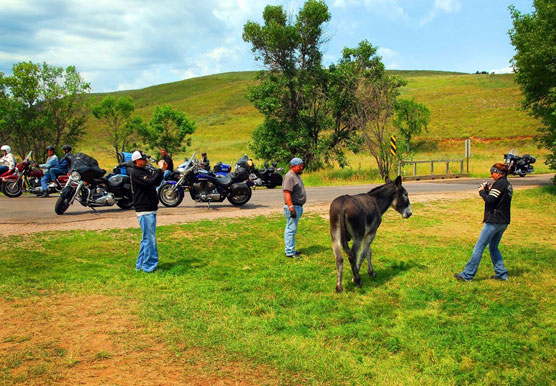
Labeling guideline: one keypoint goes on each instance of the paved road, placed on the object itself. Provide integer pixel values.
(33, 210)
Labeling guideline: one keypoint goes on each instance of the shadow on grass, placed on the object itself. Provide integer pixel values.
(315, 249)
(383, 275)
(181, 266)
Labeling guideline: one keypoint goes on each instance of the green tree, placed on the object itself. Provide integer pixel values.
(376, 99)
(290, 94)
(42, 105)
(534, 38)
(308, 109)
(410, 118)
(168, 129)
(119, 124)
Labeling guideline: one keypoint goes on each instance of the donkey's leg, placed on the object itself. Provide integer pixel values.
(337, 247)
(352, 260)
(370, 269)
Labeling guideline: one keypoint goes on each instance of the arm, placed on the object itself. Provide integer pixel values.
(142, 177)
(492, 196)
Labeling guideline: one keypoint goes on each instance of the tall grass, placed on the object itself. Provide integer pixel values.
(226, 286)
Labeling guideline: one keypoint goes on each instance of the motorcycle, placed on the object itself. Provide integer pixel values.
(88, 185)
(204, 186)
(269, 176)
(27, 178)
(519, 166)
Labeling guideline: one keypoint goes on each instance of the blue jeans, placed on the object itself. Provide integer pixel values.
(45, 180)
(491, 236)
(148, 252)
(291, 229)
(55, 172)
(3, 169)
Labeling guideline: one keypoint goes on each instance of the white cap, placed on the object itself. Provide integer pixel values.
(138, 155)
(7, 148)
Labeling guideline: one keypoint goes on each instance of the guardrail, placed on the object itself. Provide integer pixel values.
(432, 175)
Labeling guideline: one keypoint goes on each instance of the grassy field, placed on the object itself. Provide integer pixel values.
(485, 108)
(226, 293)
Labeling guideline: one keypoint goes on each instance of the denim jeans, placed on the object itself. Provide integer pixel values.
(291, 229)
(55, 172)
(3, 169)
(148, 252)
(491, 236)
(44, 181)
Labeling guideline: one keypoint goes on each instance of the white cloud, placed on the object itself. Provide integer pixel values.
(504, 70)
(441, 6)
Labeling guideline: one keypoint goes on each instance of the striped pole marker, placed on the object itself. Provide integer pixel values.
(393, 148)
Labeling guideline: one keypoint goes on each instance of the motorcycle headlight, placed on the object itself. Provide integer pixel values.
(75, 176)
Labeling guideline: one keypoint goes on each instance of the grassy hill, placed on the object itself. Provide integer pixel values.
(483, 107)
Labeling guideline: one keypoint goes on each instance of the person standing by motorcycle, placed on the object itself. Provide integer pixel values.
(498, 200)
(144, 181)
(51, 162)
(63, 165)
(169, 162)
(205, 163)
(7, 162)
(294, 198)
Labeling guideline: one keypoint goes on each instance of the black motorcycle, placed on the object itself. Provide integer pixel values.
(268, 176)
(88, 184)
(519, 166)
(204, 186)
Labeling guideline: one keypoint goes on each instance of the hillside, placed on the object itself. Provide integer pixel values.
(462, 105)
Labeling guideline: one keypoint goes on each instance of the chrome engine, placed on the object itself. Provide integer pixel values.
(99, 197)
(206, 191)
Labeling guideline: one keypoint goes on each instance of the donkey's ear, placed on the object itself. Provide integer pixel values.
(387, 179)
(398, 181)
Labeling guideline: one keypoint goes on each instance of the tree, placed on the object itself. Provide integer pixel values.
(308, 109)
(167, 130)
(120, 126)
(410, 118)
(42, 105)
(376, 99)
(534, 38)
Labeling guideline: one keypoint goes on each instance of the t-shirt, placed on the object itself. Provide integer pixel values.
(294, 184)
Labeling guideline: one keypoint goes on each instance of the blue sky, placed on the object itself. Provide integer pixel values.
(130, 44)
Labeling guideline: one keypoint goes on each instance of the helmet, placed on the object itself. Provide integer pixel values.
(7, 148)
(66, 148)
(50, 148)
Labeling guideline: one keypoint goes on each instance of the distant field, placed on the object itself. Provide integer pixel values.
(482, 107)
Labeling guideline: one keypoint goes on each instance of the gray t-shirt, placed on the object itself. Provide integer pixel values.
(294, 184)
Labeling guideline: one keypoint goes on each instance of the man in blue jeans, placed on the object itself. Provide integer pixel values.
(498, 200)
(144, 181)
(294, 198)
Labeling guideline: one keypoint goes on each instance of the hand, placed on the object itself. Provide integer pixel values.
(293, 213)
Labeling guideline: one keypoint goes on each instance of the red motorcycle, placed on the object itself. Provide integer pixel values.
(27, 178)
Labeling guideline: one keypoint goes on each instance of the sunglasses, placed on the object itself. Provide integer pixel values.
(494, 170)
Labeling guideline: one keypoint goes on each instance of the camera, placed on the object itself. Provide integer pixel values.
(484, 185)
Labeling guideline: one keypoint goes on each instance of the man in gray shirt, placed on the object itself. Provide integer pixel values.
(294, 198)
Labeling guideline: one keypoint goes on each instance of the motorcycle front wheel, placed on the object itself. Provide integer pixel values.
(169, 197)
(62, 204)
(240, 198)
(12, 189)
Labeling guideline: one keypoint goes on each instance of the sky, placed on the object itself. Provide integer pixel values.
(131, 44)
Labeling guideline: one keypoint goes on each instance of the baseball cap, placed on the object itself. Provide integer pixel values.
(296, 161)
(138, 155)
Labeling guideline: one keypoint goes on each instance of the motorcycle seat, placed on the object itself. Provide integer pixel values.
(224, 181)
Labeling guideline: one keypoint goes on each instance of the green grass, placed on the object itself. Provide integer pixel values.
(462, 105)
(224, 286)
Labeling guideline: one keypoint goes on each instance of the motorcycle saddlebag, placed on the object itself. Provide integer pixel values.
(239, 187)
(529, 158)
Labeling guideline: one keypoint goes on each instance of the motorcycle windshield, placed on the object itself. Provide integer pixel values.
(87, 166)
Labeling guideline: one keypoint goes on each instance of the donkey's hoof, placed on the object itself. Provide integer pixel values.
(339, 289)
(372, 274)
(357, 282)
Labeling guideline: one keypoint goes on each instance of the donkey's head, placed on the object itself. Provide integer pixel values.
(401, 199)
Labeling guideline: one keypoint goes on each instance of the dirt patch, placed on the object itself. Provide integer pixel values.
(98, 340)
